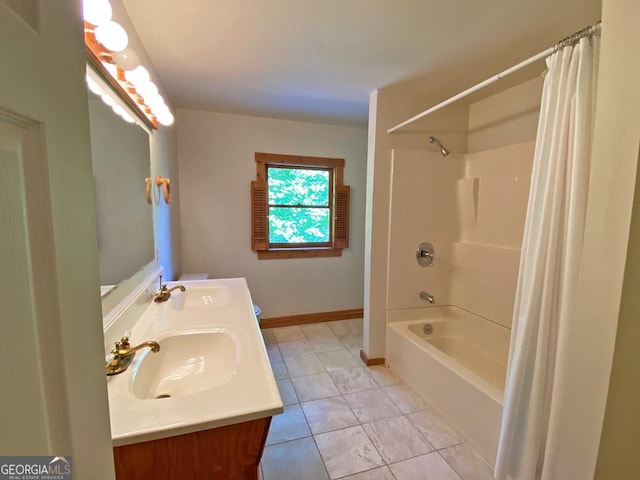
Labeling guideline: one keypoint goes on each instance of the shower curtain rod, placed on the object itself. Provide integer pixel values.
(499, 76)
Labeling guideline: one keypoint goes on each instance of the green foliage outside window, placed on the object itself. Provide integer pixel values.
(298, 205)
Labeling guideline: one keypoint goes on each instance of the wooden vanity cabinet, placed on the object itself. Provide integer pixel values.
(232, 452)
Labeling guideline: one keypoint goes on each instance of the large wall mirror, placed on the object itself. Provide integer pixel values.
(121, 163)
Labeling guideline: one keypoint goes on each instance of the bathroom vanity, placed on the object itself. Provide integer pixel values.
(201, 406)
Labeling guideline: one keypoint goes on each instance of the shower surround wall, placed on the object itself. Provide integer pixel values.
(470, 206)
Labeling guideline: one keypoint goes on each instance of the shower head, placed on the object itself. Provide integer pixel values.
(443, 150)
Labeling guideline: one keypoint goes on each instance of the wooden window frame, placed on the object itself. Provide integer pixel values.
(339, 202)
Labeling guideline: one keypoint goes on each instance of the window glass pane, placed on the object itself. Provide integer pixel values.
(298, 225)
(297, 186)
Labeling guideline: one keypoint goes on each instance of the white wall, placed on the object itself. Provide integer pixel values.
(614, 173)
(217, 164)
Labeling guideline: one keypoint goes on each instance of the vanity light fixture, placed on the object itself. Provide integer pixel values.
(107, 52)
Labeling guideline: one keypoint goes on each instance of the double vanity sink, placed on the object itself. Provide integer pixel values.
(210, 377)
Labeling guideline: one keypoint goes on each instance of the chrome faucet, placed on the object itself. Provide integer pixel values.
(427, 296)
(165, 293)
(120, 357)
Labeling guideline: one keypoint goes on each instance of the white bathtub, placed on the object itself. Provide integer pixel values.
(459, 369)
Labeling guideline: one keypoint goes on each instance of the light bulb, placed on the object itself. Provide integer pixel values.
(112, 36)
(127, 59)
(117, 109)
(128, 118)
(96, 12)
(137, 76)
(155, 103)
(107, 99)
(165, 118)
(147, 89)
(93, 86)
(162, 109)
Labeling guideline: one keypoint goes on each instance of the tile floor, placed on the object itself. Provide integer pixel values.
(343, 420)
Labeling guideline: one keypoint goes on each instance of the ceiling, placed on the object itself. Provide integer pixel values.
(318, 60)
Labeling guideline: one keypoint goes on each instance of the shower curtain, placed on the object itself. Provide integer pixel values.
(549, 264)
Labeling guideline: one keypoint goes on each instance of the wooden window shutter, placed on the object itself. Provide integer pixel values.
(259, 214)
(342, 217)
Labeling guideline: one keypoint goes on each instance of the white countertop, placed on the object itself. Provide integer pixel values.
(211, 305)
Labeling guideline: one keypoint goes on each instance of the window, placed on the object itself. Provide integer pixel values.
(299, 207)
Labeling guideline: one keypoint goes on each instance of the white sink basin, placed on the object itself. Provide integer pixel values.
(186, 364)
(217, 296)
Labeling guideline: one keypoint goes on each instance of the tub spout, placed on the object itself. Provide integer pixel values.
(427, 296)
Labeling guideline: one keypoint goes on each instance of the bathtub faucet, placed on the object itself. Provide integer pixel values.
(427, 296)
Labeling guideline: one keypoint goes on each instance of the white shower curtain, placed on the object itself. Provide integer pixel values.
(549, 265)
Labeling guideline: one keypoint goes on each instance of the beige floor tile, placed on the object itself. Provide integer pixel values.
(382, 473)
(295, 460)
(295, 348)
(273, 352)
(328, 414)
(357, 329)
(397, 439)
(329, 344)
(352, 342)
(317, 330)
(434, 429)
(383, 376)
(347, 451)
(355, 351)
(313, 387)
(289, 425)
(343, 327)
(288, 334)
(349, 380)
(405, 399)
(371, 405)
(303, 365)
(430, 466)
(338, 359)
(287, 392)
(279, 370)
(467, 463)
(268, 336)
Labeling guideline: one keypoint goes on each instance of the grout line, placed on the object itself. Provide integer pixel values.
(314, 440)
(450, 466)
